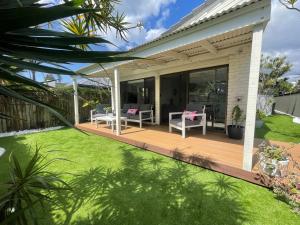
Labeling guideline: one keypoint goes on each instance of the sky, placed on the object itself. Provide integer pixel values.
(281, 36)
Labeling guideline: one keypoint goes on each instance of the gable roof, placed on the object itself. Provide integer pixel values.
(209, 10)
(212, 18)
(206, 10)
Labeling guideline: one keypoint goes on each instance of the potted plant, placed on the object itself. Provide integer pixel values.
(260, 115)
(274, 160)
(236, 130)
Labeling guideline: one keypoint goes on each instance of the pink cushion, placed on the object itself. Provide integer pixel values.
(132, 111)
(190, 115)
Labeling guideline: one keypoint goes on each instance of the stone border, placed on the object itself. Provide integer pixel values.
(23, 132)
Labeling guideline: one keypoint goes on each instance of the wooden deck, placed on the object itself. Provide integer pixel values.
(214, 151)
(215, 146)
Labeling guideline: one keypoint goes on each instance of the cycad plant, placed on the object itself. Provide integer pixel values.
(28, 189)
(27, 43)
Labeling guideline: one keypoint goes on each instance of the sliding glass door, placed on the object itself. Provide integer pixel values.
(206, 87)
(141, 91)
(173, 96)
(209, 87)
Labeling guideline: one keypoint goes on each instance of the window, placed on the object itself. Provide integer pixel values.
(209, 87)
(140, 91)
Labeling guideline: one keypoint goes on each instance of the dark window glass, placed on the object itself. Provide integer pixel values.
(149, 91)
(201, 86)
(209, 87)
(138, 91)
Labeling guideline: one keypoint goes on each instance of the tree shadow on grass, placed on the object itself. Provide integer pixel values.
(149, 191)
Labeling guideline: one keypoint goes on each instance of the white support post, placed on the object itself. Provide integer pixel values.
(252, 96)
(112, 90)
(76, 109)
(117, 101)
(157, 99)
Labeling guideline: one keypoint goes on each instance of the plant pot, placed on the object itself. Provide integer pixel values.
(268, 167)
(259, 123)
(235, 132)
(283, 167)
(283, 162)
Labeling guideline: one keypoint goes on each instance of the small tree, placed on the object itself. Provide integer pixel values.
(27, 44)
(271, 75)
(237, 116)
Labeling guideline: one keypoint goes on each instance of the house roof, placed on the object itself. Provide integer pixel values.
(205, 12)
(236, 16)
(208, 9)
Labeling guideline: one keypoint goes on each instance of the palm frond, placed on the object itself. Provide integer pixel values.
(28, 186)
(23, 46)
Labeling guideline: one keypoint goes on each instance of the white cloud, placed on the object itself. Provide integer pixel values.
(141, 11)
(137, 11)
(281, 36)
(165, 14)
(154, 33)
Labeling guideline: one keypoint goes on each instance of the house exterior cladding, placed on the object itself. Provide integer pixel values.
(217, 33)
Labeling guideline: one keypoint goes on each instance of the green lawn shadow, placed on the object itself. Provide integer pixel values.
(144, 191)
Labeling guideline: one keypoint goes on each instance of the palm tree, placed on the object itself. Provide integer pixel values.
(27, 44)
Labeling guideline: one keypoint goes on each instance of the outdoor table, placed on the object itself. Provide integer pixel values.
(111, 120)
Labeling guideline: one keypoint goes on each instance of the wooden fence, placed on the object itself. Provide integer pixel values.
(28, 116)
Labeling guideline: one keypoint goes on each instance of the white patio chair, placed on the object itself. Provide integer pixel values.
(183, 123)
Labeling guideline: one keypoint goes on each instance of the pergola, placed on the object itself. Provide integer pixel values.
(233, 37)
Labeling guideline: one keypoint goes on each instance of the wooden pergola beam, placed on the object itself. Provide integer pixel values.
(179, 55)
(208, 46)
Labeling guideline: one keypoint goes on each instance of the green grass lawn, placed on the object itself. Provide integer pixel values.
(279, 128)
(117, 184)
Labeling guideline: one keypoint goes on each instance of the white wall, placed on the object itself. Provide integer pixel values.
(237, 77)
(239, 65)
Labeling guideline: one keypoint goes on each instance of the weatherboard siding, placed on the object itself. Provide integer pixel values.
(239, 64)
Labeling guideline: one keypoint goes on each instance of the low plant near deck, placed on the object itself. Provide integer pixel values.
(273, 159)
(277, 163)
(287, 189)
(28, 187)
(275, 152)
(260, 114)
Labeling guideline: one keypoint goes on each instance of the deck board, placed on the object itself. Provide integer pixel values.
(214, 151)
(215, 145)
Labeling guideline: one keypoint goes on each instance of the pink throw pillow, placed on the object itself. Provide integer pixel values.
(132, 111)
(190, 115)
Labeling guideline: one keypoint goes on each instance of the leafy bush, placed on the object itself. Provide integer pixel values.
(260, 114)
(237, 116)
(275, 152)
(287, 189)
(28, 187)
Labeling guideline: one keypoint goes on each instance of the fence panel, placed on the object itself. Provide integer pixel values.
(28, 116)
(289, 104)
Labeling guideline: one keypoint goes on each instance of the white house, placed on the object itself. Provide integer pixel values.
(218, 43)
